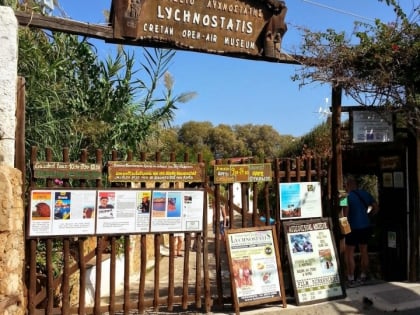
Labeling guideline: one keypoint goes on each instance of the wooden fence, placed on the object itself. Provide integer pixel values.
(153, 278)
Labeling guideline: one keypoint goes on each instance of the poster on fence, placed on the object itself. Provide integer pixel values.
(313, 261)
(89, 212)
(123, 211)
(62, 212)
(300, 200)
(255, 268)
(177, 211)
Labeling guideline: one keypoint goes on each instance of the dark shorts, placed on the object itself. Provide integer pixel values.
(358, 236)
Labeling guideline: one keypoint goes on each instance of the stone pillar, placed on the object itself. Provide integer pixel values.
(12, 253)
(8, 82)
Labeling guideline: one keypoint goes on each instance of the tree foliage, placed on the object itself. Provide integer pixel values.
(76, 100)
(376, 65)
(224, 141)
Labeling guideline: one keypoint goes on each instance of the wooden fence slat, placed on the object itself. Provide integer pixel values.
(126, 274)
(143, 268)
(66, 277)
(82, 278)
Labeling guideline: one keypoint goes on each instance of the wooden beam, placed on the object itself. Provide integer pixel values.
(64, 25)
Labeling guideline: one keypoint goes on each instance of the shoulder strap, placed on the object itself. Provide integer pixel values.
(360, 197)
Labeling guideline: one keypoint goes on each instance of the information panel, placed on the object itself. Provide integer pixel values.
(177, 210)
(89, 212)
(313, 261)
(123, 211)
(300, 200)
(255, 268)
(62, 212)
(371, 127)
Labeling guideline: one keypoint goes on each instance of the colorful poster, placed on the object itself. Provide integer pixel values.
(62, 212)
(177, 211)
(300, 200)
(255, 268)
(313, 261)
(123, 211)
(89, 212)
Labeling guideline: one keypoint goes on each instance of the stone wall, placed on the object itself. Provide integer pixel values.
(8, 83)
(12, 240)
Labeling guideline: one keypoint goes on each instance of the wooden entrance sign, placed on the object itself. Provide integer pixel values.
(232, 27)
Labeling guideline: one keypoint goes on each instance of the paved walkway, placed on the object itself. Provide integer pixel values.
(374, 299)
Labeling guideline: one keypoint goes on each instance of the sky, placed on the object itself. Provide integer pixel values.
(236, 91)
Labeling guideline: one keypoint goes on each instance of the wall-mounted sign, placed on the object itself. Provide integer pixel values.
(236, 173)
(120, 171)
(255, 268)
(300, 200)
(313, 261)
(64, 170)
(231, 27)
(372, 126)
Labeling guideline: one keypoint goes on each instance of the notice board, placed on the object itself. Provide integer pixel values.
(255, 268)
(67, 211)
(313, 261)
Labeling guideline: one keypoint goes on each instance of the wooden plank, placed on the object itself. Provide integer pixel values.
(126, 274)
(187, 246)
(98, 282)
(171, 285)
(82, 278)
(157, 273)
(50, 276)
(66, 277)
(143, 269)
(32, 277)
(64, 25)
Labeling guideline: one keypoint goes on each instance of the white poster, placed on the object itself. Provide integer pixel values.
(177, 211)
(123, 211)
(313, 261)
(300, 200)
(371, 126)
(62, 212)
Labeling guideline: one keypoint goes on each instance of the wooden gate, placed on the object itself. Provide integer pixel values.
(141, 272)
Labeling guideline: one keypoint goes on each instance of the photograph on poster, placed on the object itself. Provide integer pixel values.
(144, 201)
(106, 200)
(301, 243)
(62, 205)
